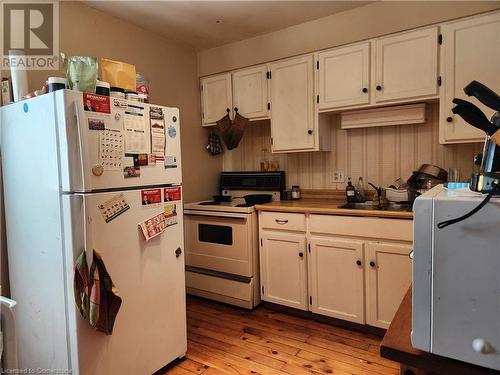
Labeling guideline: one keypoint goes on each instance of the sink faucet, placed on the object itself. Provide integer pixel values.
(378, 189)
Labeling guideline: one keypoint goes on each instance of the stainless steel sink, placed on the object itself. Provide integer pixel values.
(374, 206)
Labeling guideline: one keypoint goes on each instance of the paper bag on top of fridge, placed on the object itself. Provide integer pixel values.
(118, 74)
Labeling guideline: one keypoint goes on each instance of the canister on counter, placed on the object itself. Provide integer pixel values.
(295, 192)
(56, 83)
(131, 95)
(102, 88)
(117, 92)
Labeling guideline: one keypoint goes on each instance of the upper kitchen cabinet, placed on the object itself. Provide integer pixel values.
(250, 92)
(216, 98)
(343, 76)
(294, 124)
(469, 52)
(406, 66)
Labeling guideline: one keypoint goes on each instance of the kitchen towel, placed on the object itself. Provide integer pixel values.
(214, 145)
(96, 297)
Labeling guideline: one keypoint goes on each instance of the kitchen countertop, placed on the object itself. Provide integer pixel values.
(327, 206)
(397, 346)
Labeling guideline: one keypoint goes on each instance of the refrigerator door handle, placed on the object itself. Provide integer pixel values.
(80, 146)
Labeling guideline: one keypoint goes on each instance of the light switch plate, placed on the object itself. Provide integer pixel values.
(338, 176)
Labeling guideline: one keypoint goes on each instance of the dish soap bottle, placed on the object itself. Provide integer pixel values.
(360, 191)
(350, 192)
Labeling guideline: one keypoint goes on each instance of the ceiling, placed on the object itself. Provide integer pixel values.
(207, 24)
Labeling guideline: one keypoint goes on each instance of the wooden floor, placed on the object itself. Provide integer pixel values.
(228, 340)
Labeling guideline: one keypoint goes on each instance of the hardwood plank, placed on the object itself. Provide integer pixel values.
(223, 339)
(193, 366)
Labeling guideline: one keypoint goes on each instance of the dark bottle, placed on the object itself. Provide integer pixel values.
(350, 192)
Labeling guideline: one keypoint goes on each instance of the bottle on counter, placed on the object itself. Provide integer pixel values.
(295, 192)
(360, 191)
(350, 191)
(264, 160)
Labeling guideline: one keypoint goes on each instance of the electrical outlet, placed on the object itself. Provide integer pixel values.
(338, 176)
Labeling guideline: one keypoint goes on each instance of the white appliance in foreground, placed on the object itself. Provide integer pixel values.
(75, 178)
(222, 248)
(456, 277)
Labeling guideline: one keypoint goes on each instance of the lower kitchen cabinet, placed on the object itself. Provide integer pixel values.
(355, 268)
(336, 278)
(283, 266)
(388, 277)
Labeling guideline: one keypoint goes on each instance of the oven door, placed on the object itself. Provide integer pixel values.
(219, 241)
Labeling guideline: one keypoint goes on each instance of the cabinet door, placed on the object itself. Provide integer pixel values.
(215, 97)
(406, 65)
(292, 104)
(250, 92)
(336, 278)
(388, 277)
(344, 76)
(469, 52)
(283, 269)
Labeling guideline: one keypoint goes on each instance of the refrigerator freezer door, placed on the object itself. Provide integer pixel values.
(150, 328)
(116, 145)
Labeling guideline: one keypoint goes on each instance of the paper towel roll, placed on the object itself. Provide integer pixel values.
(19, 76)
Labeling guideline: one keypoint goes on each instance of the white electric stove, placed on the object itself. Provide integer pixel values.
(222, 239)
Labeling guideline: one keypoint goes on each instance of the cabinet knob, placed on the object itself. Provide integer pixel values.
(372, 264)
(301, 254)
(228, 110)
(178, 252)
(358, 262)
(365, 90)
(378, 87)
(309, 132)
(236, 109)
(449, 119)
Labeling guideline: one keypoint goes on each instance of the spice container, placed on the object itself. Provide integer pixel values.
(57, 83)
(295, 192)
(143, 98)
(102, 88)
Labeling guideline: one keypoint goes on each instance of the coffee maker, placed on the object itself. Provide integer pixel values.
(487, 180)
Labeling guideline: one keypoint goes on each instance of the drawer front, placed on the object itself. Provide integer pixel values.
(371, 227)
(283, 221)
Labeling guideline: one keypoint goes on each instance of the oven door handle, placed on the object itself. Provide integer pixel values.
(231, 215)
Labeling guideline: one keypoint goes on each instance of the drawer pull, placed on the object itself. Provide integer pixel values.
(281, 221)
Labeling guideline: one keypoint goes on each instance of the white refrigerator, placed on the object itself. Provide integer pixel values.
(82, 171)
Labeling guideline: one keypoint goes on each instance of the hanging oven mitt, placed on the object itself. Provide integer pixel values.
(235, 132)
(104, 299)
(214, 145)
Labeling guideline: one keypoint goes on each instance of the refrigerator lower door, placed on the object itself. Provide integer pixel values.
(150, 328)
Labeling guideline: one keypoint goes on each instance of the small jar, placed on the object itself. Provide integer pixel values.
(102, 88)
(117, 92)
(143, 98)
(57, 83)
(295, 192)
(132, 96)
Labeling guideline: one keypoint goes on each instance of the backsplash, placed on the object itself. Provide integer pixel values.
(380, 155)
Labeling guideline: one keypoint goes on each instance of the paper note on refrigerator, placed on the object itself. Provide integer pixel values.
(113, 207)
(157, 124)
(111, 150)
(136, 140)
(157, 224)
